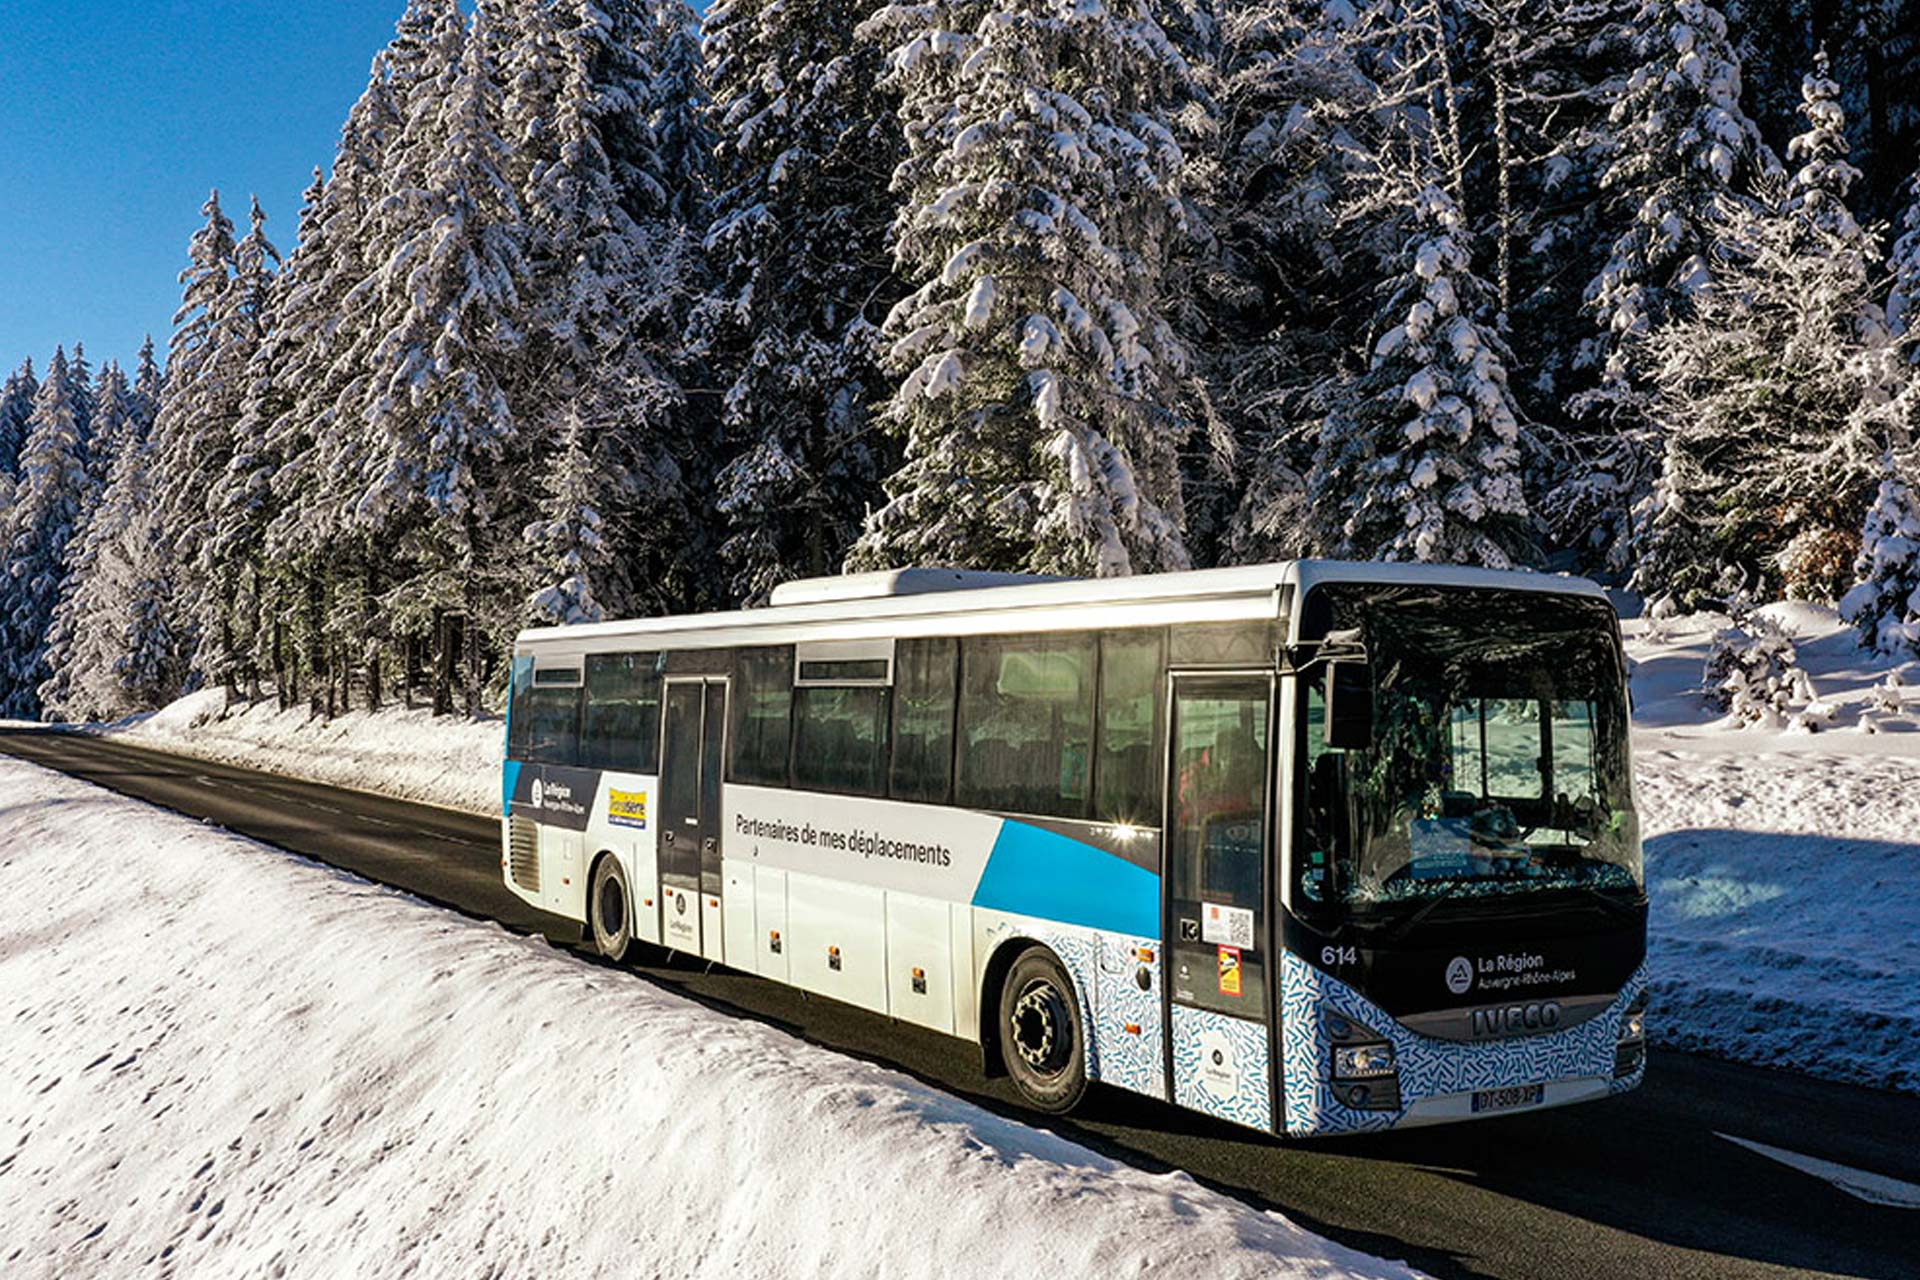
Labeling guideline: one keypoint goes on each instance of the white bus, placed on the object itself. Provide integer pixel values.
(1312, 847)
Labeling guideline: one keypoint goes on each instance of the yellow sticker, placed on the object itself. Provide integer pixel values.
(1229, 971)
(627, 808)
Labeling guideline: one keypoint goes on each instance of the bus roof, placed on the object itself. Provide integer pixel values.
(984, 604)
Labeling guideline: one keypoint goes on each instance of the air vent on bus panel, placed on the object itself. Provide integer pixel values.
(523, 853)
(897, 582)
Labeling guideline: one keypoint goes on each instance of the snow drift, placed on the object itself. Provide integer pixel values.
(220, 1059)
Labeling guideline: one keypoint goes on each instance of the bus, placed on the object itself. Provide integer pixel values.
(1312, 847)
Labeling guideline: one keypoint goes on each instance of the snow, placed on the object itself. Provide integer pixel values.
(412, 755)
(1782, 865)
(266, 1067)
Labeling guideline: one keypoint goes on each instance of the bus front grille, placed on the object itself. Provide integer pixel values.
(523, 853)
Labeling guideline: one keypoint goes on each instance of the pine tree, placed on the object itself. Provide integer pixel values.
(149, 388)
(1419, 459)
(798, 253)
(116, 423)
(41, 522)
(1885, 604)
(1903, 303)
(1776, 395)
(16, 407)
(1040, 383)
(566, 539)
(438, 413)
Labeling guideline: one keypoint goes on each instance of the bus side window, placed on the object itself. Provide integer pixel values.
(1131, 669)
(621, 725)
(925, 676)
(840, 739)
(520, 711)
(762, 717)
(553, 725)
(1026, 724)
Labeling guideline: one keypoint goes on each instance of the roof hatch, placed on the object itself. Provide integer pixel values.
(897, 582)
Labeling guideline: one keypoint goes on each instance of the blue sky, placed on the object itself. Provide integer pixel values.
(118, 116)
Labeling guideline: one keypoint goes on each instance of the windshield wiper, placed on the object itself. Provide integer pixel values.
(1407, 926)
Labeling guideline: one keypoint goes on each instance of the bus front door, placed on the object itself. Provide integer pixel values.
(692, 750)
(1220, 1031)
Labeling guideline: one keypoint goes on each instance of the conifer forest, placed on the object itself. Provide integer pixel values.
(611, 308)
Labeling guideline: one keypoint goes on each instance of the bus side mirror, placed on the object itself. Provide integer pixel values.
(1349, 706)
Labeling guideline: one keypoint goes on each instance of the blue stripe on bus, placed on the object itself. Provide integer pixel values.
(510, 778)
(1038, 873)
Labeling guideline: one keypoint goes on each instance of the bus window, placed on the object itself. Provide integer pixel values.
(762, 716)
(621, 725)
(1130, 668)
(925, 674)
(553, 725)
(1026, 724)
(519, 739)
(840, 739)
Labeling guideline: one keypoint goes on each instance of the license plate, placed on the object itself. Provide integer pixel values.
(1521, 1095)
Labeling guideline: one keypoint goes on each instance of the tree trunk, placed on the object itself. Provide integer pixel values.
(442, 664)
(316, 642)
(371, 632)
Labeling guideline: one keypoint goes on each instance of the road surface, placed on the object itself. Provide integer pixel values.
(1648, 1185)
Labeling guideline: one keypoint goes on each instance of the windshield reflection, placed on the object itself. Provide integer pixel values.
(1499, 763)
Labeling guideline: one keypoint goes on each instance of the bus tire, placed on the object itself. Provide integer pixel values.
(610, 909)
(1042, 1033)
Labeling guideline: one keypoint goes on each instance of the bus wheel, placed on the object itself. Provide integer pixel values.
(610, 909)
(1042, 1035)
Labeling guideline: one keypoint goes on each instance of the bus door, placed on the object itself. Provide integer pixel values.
(692, 750)
(1220, 1023)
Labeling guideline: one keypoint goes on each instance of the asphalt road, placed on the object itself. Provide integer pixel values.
(1639, 1186)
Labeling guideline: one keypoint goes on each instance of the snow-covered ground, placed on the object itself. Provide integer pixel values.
(448, 761)
(1784, 865)
(221, 1059)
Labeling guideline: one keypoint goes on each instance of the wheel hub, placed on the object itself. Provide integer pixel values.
(1040, 1025)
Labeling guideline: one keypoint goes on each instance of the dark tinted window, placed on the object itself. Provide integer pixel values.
(1130, 699)
(925, 674)
(621, 728)
(519, 710)
(553, 726)
(762, 716)
(1026, 724)
(840, 739)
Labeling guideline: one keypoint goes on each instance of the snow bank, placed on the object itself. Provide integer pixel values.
(1784, 867)
(224, 1060)
(413, 755)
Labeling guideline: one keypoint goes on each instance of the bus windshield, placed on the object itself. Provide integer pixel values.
(1499, 762)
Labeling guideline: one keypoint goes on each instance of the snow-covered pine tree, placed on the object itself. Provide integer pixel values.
(1780, 389)
(188, 433)
(1884, 605)
(798, 251)
(45, 514)
(16, 406)
(80, 371)
(449, 303)
(566, 538)
(1293, 106)
(149, 388)
(1419, 458)
(1903, 301)
(114, 433)
(677, 114)
(1040, 203)
(1675, 145)
(1679, 147)
(605, 296)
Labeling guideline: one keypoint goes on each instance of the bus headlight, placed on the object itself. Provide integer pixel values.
(1362, 1061)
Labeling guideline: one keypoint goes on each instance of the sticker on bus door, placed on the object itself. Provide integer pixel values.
(1229, 971)
(1226, 926)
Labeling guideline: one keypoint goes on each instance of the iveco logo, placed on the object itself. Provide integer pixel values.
(1459, 975)
(538, 795)
(1506, 1020)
